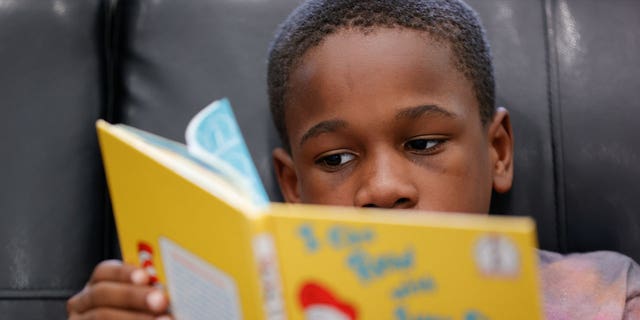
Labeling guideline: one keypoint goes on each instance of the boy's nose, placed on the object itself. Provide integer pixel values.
(386, 182)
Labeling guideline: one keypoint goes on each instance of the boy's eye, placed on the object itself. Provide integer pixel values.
(423, 145)
(336, 160)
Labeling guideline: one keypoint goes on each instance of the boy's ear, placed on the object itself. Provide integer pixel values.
(286, 173)
(501, 150)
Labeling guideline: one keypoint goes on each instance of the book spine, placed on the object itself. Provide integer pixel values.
(266, 258)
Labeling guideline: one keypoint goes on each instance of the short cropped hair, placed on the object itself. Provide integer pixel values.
(449, 21)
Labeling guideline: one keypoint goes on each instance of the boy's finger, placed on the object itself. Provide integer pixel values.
(120, 296)
(106, 313)
(115, 270)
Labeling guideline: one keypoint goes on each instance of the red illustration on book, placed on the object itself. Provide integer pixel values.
(145, 256)
(319, 303)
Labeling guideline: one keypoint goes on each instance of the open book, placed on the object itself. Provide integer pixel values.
(198, 219)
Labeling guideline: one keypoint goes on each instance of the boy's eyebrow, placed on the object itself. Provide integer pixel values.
(322, 127)
(416, 112)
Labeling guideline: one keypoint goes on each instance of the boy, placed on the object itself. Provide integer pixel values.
(390, 104)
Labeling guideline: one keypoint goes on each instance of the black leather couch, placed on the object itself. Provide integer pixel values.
(568, 70)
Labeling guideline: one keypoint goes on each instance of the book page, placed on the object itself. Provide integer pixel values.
(214, 137)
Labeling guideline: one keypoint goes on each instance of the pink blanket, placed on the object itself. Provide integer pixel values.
(599, 285)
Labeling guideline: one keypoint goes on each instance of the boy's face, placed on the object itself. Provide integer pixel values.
(384, 119)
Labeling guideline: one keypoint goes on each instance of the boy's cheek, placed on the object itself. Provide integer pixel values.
(327, 191)
(464, 187)
(460, 198)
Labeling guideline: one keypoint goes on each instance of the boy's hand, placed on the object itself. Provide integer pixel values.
(118, 291)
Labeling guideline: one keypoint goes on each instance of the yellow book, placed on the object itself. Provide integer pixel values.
(210, 237)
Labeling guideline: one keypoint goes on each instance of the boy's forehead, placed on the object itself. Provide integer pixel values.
(403, 67)
(376, 48)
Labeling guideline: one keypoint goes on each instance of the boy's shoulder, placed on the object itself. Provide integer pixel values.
(594, 285)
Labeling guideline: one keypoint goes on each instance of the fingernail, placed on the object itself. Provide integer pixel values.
(163, 318)
(138, 277)
(155, 300)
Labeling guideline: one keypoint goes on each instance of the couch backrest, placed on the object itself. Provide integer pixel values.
(52, 191)
(566, 69)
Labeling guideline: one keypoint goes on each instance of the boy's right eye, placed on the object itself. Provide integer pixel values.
(335, 161)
